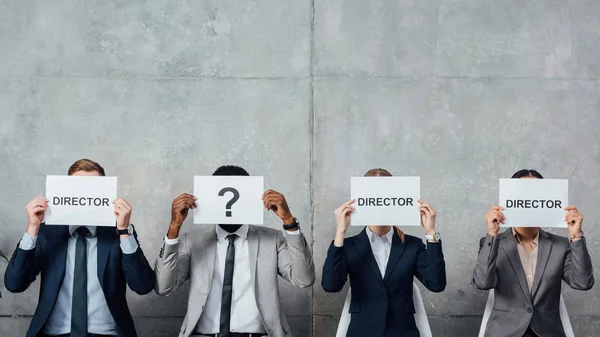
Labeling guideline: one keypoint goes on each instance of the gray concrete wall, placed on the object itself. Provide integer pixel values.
(306, 93)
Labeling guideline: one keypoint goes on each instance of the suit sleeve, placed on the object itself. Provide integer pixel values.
(172, 267)
(335, 270)
(484, 275)
(431, 268)
(577, 269)
(138, 273)
(23, 267)
(294, 260)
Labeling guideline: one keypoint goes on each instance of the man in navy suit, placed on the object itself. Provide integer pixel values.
(84, 271)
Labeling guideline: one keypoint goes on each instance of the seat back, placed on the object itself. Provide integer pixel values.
(564, 316)
(420, 314)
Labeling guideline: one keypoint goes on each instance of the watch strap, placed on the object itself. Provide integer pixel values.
(291, 226)
(126, 231)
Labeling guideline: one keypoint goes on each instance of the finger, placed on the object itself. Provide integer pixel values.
(428, 206)
(273, 200)
(37, 204)
(267, 192)
(423, 203)
(184, 204)
(121, 203)
(425, 210)
(496, 208)
(186, 196)
(350, 202)
(347, 210)
(571, 208)
(41, 199)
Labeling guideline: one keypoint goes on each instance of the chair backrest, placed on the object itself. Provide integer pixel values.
(420, 314)
(564, 316)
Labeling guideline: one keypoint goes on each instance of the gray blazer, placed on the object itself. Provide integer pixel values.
(515, 307)
(271, 254)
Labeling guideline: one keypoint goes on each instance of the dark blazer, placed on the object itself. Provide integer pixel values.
(499, 267)
(115, 270)
(383, 306)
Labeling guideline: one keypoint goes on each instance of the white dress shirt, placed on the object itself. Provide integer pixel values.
(244, 312)
(381, 247)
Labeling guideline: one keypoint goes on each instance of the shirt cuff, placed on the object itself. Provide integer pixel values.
(129, 245)
(171, 242)
(296, 232)
(27, 242)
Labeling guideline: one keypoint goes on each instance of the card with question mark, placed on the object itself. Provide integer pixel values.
(229, 200)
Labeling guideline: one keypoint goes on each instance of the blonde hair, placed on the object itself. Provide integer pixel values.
(87, 166)
(379, 172)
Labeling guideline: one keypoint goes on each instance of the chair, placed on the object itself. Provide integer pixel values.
(420, 315)
(564, 316)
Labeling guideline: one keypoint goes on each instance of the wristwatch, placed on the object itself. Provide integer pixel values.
(576, 236)
(435, 237)
(126, 231)
(291, 226)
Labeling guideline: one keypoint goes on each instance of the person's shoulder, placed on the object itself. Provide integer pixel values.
(554, 238)
(198, 234)
(51, 230)
(264, 231)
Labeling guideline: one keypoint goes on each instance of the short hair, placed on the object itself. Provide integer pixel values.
(378, 172)
(527, 173)
(86, 165)
(230, 170)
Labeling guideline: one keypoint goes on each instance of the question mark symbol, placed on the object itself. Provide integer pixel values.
(236, 196)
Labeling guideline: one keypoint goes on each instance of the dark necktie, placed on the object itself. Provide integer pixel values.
(79, 312)
(227, 288)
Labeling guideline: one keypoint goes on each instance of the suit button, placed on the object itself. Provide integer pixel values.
(529, 310)
(489, 243)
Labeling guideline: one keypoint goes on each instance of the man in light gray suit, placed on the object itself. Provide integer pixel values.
(233, 270)
(525, 267)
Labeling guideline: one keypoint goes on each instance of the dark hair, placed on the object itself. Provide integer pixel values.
(527, 173)
(230, 170)
(87, 166)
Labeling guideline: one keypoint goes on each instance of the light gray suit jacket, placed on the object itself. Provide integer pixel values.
(515, 307)
(271, 254)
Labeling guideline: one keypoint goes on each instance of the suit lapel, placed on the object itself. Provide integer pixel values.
(509, 246)
(253, 243)
(396, 252)
(106, 238)
(211, 254)
(363, 248)
(60, 250)
(544, 249)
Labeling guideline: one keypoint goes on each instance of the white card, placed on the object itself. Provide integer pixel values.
(81, 200)
(534, 202)
(229, 200)
(385, 201)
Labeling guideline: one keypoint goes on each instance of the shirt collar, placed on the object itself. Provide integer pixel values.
(387, 236)
(535, 242)
(242, 232)
(92, 229)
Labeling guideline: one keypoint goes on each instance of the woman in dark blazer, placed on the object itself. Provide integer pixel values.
(381, 262)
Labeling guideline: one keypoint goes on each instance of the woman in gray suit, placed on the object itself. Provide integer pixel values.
(524, 266)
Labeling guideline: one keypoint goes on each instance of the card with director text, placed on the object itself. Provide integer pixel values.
(385, 201)
(534, 202)
(75, 200)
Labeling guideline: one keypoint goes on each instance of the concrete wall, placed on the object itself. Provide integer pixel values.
(306, 93)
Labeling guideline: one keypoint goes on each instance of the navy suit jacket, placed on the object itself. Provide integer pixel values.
(115, 270)
(383, 306)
